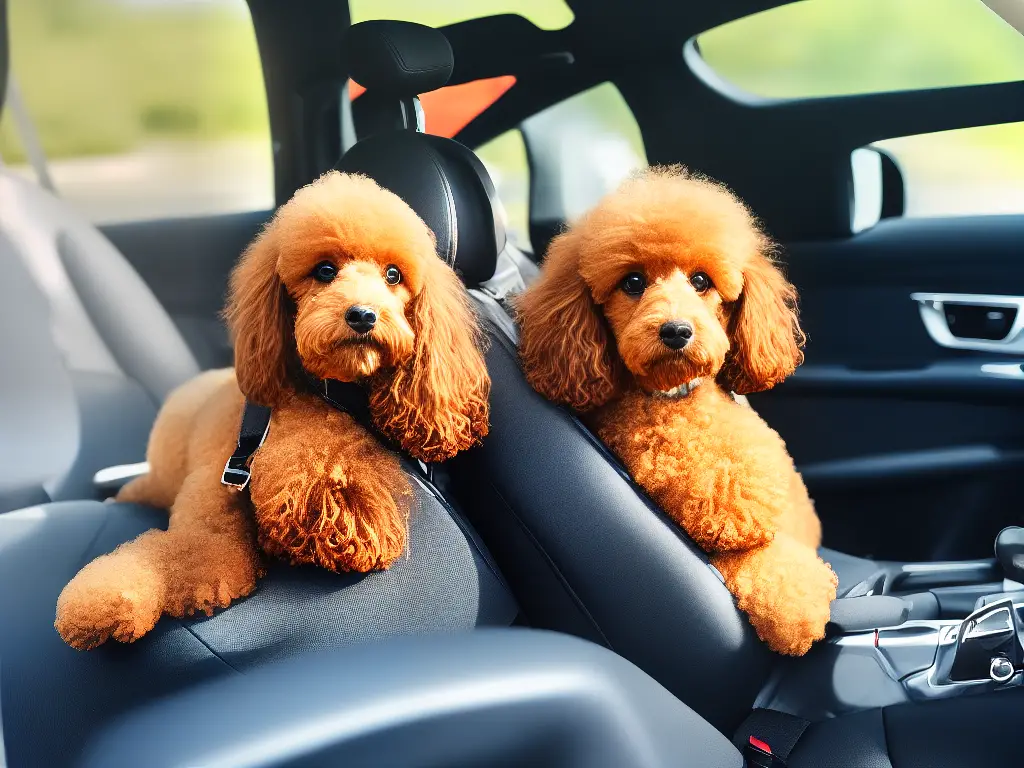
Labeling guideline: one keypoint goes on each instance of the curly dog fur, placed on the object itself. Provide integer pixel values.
(591, 340)
(323, 490)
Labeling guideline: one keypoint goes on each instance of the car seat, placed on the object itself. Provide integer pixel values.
(53, 699)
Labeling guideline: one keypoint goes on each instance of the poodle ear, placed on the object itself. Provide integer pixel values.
(259, 321)
(566, 350)
(765, 331)
(436, 404)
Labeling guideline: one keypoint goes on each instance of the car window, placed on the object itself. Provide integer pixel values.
(144, 109)
(832, 47)
(546, 14)
(968, 171)
(580, 149)
(506, 162)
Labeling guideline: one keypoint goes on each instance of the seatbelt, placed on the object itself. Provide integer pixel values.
(767, 737)
(347, 397)
(26, 131)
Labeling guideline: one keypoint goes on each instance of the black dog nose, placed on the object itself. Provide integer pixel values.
(675, 334)
(360, 319)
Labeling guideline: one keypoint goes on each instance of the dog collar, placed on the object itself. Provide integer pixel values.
(677, 393)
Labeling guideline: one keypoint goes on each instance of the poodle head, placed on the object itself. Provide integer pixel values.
(667, 280)
(345, 283)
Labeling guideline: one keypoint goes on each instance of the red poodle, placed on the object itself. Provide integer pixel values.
(648, 314)
(344, 284)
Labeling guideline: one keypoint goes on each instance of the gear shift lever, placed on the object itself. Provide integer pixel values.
(1010, 552)
(988, 645)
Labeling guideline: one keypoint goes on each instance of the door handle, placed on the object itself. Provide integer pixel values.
(973, 321)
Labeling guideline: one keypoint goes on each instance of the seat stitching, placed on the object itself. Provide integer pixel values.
(885, 739)
(464, 527)
(208, 647)
(555, 569)
(85, 557)
(401, 60)
(452, 218)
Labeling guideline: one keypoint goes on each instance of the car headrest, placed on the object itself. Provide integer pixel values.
(445, 183)
(398, 58)
(447, 186)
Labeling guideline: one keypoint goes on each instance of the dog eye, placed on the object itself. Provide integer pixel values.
(392, 275)
(325, 272)
(700, 282)
(634, 284)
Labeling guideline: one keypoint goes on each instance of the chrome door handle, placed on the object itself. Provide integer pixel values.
(932, 307)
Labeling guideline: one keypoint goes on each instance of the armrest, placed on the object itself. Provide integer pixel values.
(856, 614)
(110, 480)
(508, 697)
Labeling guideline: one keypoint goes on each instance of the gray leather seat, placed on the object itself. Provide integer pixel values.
(54, 699)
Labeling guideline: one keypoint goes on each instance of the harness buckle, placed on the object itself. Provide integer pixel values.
(236, 473)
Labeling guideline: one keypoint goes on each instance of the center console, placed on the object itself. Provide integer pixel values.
(952, 589)
(879, 655)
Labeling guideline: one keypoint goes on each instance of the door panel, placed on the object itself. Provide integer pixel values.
(911, 450)
(186, 263)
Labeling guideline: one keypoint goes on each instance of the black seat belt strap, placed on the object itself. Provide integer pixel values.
(767, 737)
(252, 433)
(352, 399)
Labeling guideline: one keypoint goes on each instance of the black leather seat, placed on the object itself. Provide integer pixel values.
(584, 549)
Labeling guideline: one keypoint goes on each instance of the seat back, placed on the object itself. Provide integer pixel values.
(582, 547)
(587, 552)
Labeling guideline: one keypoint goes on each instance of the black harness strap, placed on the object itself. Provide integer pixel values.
(252, 433)
(353, 400)
(347, 397)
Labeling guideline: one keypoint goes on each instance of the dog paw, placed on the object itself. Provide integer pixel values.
(89, 615)
(792, 632)
(785, 589)
(335, 521)
(208, 595)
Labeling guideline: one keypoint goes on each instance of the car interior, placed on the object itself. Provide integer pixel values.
(550, 613)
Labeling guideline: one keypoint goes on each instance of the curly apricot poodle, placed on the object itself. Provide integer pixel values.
(345, 284)
(649, 312)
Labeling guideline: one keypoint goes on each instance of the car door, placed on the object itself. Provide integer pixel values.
(892, 174)
(906, 417)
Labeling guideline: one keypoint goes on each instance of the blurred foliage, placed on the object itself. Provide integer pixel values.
(101, 76)
(833, 47)
(826, 47)
(546, 14)
(104, 76)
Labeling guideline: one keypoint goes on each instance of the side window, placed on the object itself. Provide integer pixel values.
(578, 150)
(971, 171)
(828, 47)
(506, 162)
(143, 109)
